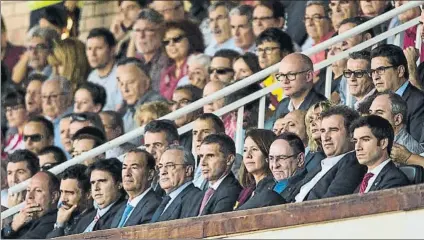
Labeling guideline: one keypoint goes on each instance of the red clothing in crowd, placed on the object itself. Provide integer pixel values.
(168, 80)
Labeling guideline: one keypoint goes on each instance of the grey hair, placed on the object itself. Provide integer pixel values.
(243, 10)
(218, 4)
(201, 59)
(188, 156)
(65, 84)
(399, 105)
(320, 3)
(151, 15)
(48, 34)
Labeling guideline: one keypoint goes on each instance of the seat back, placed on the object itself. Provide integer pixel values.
(414, 173)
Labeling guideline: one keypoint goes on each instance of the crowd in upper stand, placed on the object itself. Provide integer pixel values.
(62, 97)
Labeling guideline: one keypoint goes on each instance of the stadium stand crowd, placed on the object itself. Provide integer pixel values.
(62, 97)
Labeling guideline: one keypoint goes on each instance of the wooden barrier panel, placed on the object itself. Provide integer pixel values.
(262, 219)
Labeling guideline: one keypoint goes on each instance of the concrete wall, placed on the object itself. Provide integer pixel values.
(94, 14)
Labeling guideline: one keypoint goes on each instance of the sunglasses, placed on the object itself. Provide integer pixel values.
(34, 137)
(174, 40)
(220, 71)
(47, 166)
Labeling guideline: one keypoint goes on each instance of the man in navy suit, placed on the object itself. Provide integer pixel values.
(389, 70)
(217, 154)
(138, 171)
(373, 137)
(182, 199)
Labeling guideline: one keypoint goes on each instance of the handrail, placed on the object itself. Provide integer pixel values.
(224, 92)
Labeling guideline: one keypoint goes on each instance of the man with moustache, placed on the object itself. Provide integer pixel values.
(74, 202)
(138, 171)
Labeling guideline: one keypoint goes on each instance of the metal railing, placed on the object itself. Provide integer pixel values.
(238, 105)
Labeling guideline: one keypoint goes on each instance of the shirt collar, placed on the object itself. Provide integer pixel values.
(137, 199)
(331, 161)
(217, 183)
(177, 191)
(402, 89)
(307, 150)
(380, 167)
(103, 211)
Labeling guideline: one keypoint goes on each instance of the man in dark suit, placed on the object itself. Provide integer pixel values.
(389, 69)
(137, 174)
(287, 160)
(106, 190)
(75, 200)
(217, 154)
(37, 218)
(338, 174)
(182, 198)
(296, 77)
(373, 137)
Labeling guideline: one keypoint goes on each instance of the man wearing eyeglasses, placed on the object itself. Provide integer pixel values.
(358, 76)
(389, 70)
(38, 134)
(296, 78)
(286, 161)
(170, 10)
(182, 199)
(341, 10)
(268, 15)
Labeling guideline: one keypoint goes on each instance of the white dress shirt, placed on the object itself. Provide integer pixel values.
(376, 171)
(136, 200)
(326, 165)
(217, 183)
(175, 193)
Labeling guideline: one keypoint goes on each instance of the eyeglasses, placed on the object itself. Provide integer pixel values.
(147, 31)
(182, 102)
(279, 158)
(380, 70)
(14, 108)
(267, 50)
(357, 74)
(256, 19)
(38, 47)
(47, 166)
(220, 71)
(53, 97)
(218, 18)
(33, 138)
(174, 40)
(289, 76)
(168, 166)
(334, 4)
(314, 18)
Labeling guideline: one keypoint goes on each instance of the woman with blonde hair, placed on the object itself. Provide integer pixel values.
(150, 111)
(70, 52)
(255, 175)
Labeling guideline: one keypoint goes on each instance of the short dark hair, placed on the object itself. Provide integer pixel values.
(394, 55)
(278, 36)
(166, 126)
(92, 133)
(57, 152)
(116, 119)
(365, 104)
(358, 20)
(141, 3)
(23, 155)
(92, 118)
(362, 55)
(191, 32)
(105, 33)
(54, 15)
(150, 163)
(349, 115)
(97, 92)
(218, 124)
(225, 143)
(47, 124)
(136, 62)
(380, 128)
(227, 53)
(110, 165)
(251, 61)
(77, 172)
(151, 15)
(195, 92)
(294, 141)
(36, 77)
(14, 98)
(276, 7)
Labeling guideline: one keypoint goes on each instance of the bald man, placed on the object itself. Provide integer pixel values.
(38, 216)
(210, 88)
(296, 78)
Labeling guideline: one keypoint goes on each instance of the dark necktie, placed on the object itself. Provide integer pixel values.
(206, 198)
(160, 209)
(364, 183)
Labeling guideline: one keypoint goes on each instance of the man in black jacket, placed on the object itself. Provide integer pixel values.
(182, 199)
(338, 174)
(106, 190)
(373, 137)
(37, 218)
(217, 154)
(137, 174)
(75, 200)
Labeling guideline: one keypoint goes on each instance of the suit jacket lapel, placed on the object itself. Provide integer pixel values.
(228, 180)
(377, 181)
(176, 204)
(118, 216)
(136, 213)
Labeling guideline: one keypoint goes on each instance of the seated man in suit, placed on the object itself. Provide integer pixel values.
(138, 171)
(393, 108)
(338, 174)
(389, 70)
(373, 137)
(287, 160)
(37, 217)
(75, 200)
(106, 190)
(159, 134)
(182, 199)
(217, 154)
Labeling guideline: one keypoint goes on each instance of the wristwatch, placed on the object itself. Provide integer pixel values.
(58, 225)
(7, 230)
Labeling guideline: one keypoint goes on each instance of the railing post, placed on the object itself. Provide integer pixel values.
(261, 112)
(419, 42)
(328, 81)
(239, 130)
